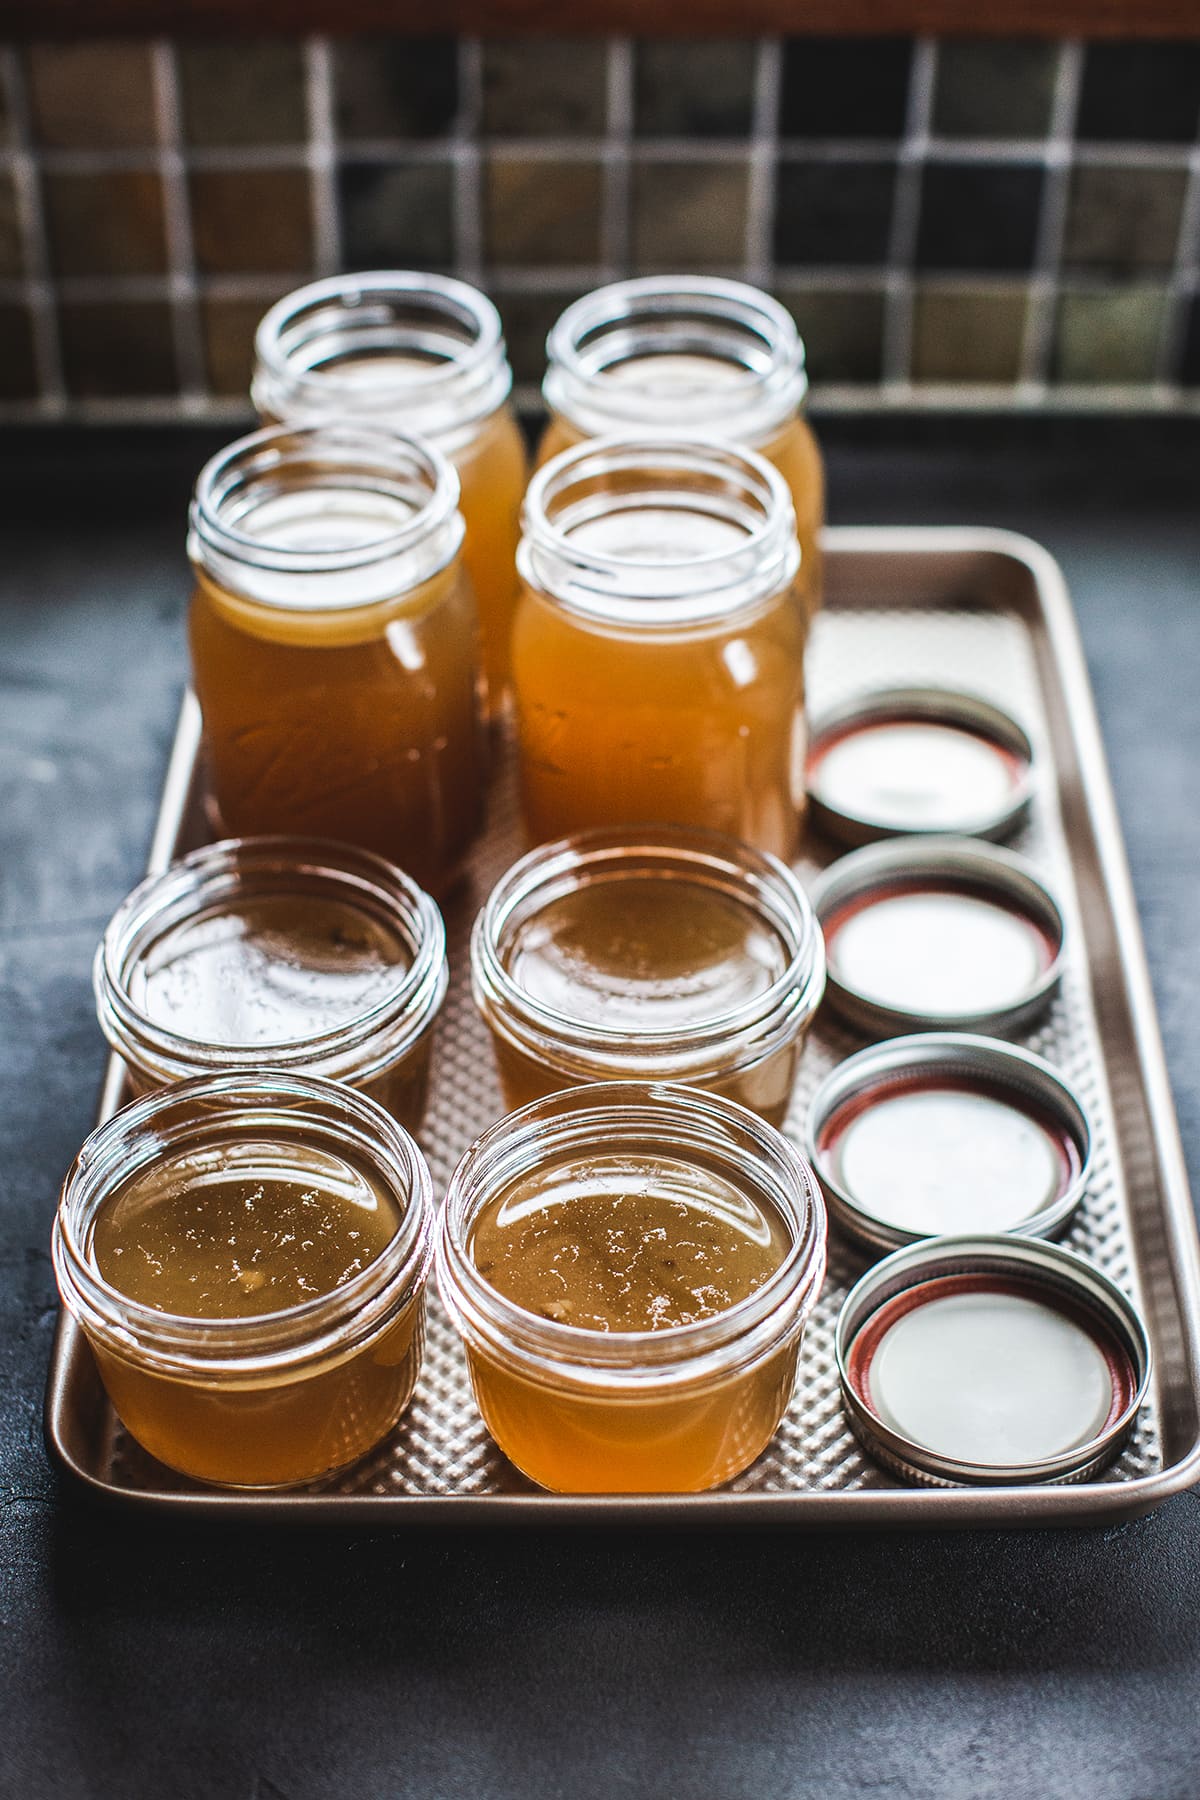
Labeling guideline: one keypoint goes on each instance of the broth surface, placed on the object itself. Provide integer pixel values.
(632, 1242)
(238, 1230)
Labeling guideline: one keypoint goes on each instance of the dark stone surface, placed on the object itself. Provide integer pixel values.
(146, 1661)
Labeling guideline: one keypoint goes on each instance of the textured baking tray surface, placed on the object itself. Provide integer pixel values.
(977, 642)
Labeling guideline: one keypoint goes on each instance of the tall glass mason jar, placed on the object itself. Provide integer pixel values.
(690, 355)
(419, 353)
(334, 645)
(658, 655)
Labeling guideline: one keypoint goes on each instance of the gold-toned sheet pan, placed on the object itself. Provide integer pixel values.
(982, 610)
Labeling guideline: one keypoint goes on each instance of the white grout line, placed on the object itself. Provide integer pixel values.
(590, 149)
(322, 155)
(181, 262)
(616, 233)
(906, 214)
(760, 206)
(1183, 278)
(470, 239)
(37, 290)
(1059, 151)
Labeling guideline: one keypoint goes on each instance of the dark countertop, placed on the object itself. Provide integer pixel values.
(139, 1660)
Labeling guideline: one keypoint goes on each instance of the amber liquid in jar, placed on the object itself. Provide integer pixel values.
(697, 356)
(620, 723)
(328, 718)
(239, 1231)
(793, 450)
(630, 1243)
(422, 353)
(641, 956)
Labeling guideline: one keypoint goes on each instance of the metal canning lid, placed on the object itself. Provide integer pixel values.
(939, 934)
(990, 1361)
(944, 1132)
(918, 759)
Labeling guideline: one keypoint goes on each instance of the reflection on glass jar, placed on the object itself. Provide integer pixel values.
(658, 658)
(246, 1255)
(334, 645)
(674, 955)
(690, 356)
(280, 954)
(631, 1267)
(425, 354)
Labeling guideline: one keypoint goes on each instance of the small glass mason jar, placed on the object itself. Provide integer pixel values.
(679, 1408)
(690, 355)
(334, 645)
(275, 1397)
(425, 354)
(676, 955)
(285, 954)
(658, 658)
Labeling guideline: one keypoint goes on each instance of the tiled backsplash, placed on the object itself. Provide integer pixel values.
(965, 222)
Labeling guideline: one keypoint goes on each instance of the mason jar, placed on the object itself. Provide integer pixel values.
(669, 955)
(334, 645)
(197, 1186)
(658, 656)
(424, 354)
(690, 355)
(540, 1208)
(285, 954)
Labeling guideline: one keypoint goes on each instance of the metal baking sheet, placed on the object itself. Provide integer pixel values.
(979, 609)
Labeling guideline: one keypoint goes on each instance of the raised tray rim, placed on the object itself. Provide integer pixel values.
(1091, 1503)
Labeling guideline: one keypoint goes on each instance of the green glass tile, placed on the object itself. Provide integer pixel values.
(12, 251)
(994, 88)
(542, 212)
(92, 95)
(227, 329)
(842, 330)
(243, 93)
(108, 223)
(545, 87)
(395, 87)
(698, 88)
(1109, 337)
(527, 320)
(1122, 219)
(250, 220)
(397, 215)
(689, 214)
(967, 336)
(116, 348)
(18, 373)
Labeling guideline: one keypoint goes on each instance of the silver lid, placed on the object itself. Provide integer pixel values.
(990, 1361)
(939, 934)
(903, 760)
(946, 1132)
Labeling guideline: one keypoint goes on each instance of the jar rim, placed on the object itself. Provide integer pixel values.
(671, 314)
(728, 1043)
(183, 1345)
(743, 490)
(360, 1046)
(296, 346)
(372, 458)
(677, 1118)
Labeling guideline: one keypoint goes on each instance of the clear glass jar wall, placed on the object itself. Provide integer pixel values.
(421, 353)
(206, 1369)
(690, 355)
(673, 955)
(282, 954)
(658, 656)
(334, 645)
(602, 1408)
